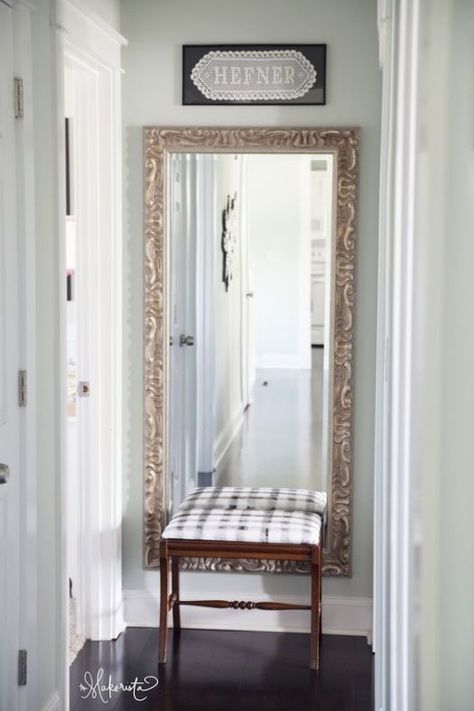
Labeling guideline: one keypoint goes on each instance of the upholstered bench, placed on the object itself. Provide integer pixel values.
(244, 522)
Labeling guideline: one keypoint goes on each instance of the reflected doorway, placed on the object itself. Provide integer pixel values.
(250, 315)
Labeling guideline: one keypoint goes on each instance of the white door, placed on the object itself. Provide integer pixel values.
(183, 353)
(93, 333)
(249, 339)
(206, 240)
(9, 365)
(249, 336)
(318, 291)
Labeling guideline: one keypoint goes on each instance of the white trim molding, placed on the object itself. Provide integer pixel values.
(90, 49)
(341, 615)
(90, 33)
(382, 402)
(27, 238)
(398, 350)
(99, 322)
(227, 435)
(53, 703)
(384, 19)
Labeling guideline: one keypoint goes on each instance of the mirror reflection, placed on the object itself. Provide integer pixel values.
(251, 319)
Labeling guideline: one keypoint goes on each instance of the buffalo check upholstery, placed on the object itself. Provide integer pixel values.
(244, 522)
(252, 497)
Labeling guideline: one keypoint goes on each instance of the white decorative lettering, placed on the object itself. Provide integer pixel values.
(255, 75)
(289, 74)
(277, 75)
(235, 75)
(248, 75)
(220, 73)
(263, 75)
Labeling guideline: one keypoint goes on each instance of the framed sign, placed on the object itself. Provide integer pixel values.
(257, 74)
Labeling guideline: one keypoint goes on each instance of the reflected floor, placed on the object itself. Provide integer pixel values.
(279, 443)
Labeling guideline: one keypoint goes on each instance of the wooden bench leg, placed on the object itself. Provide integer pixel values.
(175, 592)
(320, 596)
(163, 602)
(315, 608)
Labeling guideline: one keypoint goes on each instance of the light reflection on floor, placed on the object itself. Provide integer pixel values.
(280, 441)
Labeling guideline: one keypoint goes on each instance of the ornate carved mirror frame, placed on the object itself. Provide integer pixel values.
(159, 143)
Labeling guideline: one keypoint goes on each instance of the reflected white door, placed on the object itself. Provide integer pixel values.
(249, 338)
(183, 351)
(318, 290)
(249, 355)
(9, 364)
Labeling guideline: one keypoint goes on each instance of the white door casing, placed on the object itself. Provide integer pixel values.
(90, 50)
(249, 356)
(330, 198)
(183, 353)
(319, 245)
(23, 14)
(205, 321)
(317, 302)
(176, 328)
(304, 306)
(192, 228)
(9, 365)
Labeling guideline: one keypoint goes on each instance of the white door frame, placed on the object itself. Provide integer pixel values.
(26, 221)
(205, 322)
(248, 328)
(382, 402)
(25, 230)
(192, 376)
(395, 483)
(89, 44)
(11, 529)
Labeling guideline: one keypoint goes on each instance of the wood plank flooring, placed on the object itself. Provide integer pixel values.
(228, 671)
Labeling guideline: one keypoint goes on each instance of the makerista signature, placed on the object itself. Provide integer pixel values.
(102, 688)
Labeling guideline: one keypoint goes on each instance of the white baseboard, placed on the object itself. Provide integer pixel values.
(341, 615)
(227, 435)
(53, 703)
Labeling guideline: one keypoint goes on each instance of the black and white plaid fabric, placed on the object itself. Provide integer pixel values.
(251, 497)
(240, 524)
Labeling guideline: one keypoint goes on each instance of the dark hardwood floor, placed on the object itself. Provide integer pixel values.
(227, 671)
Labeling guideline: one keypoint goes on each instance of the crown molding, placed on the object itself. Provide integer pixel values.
(77, 6)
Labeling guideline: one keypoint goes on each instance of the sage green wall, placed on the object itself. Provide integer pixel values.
(444, 209)
(152, 95)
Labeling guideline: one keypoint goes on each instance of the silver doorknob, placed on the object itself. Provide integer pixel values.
(4, 473)
(186, 340)
(249, 294)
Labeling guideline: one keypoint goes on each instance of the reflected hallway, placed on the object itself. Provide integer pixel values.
(280, 441)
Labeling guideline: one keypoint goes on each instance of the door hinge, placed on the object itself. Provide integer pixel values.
(22, 667)
(22, 388)
(18, 97)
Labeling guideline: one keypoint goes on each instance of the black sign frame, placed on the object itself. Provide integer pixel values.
(314, 53)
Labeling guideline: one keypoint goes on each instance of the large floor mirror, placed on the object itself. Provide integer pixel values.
(249, 300)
